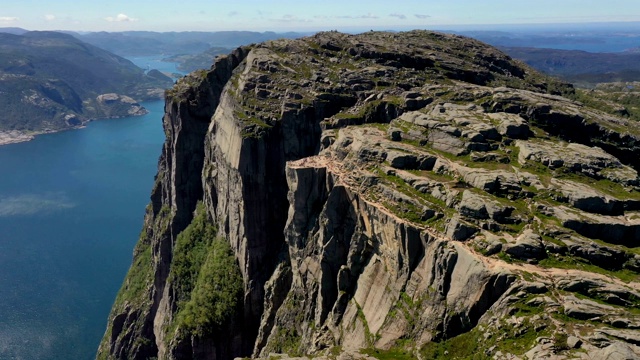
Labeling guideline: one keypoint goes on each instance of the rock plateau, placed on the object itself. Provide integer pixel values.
(412, 195)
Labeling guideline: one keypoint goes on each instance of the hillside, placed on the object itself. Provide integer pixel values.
(385, 195)
(192, 62)
(51, 81)
(581, 67)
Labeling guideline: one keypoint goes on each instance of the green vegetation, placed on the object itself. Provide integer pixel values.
(475, 344)
(619, 99)
(287, 341)
(410, 211)
(391, 354)
(464, 346)
(139, 278)
(138, 283)
(206, 278)
(570, 262)
(185, 85)
(217, 292)
(254, 127)
(368, 112)
(190, 253)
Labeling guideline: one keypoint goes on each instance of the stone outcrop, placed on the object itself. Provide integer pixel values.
(113, 105)
(385, 192)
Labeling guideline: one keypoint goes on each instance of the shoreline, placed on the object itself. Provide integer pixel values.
(16, 136)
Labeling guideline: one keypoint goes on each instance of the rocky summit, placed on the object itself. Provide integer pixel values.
(385, 195)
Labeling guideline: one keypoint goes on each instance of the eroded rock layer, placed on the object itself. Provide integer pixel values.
(416, 194)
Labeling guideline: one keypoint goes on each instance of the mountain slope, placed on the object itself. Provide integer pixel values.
(580, 66)
(203, 60)
(401, 195)
(51, 81)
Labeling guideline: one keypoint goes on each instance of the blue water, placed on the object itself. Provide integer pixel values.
(155, 62)
(71, 209)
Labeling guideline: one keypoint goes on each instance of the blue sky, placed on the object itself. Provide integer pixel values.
(202, 15)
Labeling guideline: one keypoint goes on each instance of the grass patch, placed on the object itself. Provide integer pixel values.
(407, 210)
(569, 262)
(466, 346)
(391, 354)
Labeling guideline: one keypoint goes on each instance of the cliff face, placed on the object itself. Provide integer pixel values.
(412, 191)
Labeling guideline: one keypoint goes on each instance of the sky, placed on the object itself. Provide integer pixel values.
(302, 15)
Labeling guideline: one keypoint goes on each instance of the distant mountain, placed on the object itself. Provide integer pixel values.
(141, 43)
(588, 38)
(13, 30)
(203, 60)
(51, 81)
(581, 67)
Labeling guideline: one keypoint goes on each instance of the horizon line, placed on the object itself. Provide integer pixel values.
(467, 27)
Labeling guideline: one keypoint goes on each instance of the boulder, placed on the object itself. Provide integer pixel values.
(584, 309)
(588, 199)
(604, 256)
(612, 229)
(527, 246)
(457, 229)
(480, 207)
(629, 336)
(401, 160)
(491, 181)
(511, 125)
(573, 342)
(615, 351)
(444, 141)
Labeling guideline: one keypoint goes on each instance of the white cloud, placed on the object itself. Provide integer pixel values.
(120, 18)
(369, 16)
(366, 16)
(233, 13)
(8, 18)
(49, 17)
(291, 18)
(421, 16)
(399, 16)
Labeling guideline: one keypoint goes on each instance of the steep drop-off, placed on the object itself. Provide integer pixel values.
(416, 194)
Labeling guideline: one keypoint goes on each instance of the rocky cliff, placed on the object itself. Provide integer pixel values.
(402, 195)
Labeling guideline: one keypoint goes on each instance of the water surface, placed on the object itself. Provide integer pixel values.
(71, 208)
